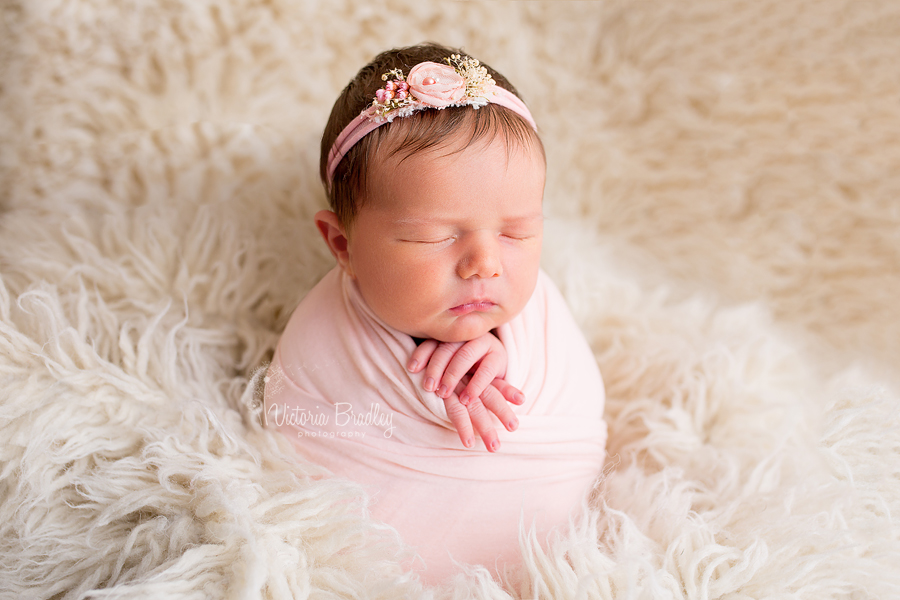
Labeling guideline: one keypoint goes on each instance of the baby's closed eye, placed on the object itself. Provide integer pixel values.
(527, 228)
(432, 241)
(518, 236)
(447, 240)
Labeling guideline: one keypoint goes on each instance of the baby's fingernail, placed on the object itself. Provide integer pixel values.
(520, 397)
(464, 398)
(468, 443)
(429, 385)
(512, 425)
(442, 391)
(412, 365)
(495, 445)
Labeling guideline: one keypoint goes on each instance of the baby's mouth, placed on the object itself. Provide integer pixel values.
(479, 306)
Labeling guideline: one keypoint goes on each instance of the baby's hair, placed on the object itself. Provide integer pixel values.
(419, 131)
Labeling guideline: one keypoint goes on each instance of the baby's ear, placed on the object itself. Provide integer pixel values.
(334, 235)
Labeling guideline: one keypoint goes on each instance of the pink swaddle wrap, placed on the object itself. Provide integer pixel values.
(338, 387)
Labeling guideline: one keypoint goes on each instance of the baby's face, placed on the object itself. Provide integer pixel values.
(448, 245)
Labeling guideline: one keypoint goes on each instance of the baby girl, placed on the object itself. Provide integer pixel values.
(437, 323)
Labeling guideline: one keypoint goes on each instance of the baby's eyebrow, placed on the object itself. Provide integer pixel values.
(414, 221)
(538, 216)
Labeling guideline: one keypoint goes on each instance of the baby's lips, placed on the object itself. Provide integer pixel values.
(474, 306)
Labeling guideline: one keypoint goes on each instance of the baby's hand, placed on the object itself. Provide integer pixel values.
(469, 377)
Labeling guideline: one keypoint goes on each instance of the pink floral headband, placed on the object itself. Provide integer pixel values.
(460, 82)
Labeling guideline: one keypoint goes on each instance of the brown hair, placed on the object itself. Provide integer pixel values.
(419, 131)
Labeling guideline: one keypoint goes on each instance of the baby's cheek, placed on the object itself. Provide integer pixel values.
(525, 275)
(427, 269)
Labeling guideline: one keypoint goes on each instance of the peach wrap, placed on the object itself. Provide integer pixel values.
(339, 389)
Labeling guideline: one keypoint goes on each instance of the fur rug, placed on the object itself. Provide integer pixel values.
(724, 223)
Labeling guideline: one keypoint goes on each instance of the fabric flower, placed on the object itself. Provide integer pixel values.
(436, 85)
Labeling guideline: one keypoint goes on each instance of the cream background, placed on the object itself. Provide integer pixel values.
(723, 185)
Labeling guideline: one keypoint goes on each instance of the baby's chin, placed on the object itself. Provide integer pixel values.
(463, 329)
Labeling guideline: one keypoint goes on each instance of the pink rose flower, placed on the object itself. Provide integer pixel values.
(436, 85)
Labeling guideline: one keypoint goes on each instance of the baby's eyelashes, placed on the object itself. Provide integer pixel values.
(521, 233)
(430, 242)
(518, 238)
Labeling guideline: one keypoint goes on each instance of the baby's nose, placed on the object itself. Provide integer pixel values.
(482, 259)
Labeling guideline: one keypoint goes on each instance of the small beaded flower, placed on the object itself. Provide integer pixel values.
(460, 82)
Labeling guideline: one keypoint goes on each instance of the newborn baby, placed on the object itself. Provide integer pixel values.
(437, 322)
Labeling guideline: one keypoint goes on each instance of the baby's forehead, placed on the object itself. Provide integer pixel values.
(469, 191)
(400, 159)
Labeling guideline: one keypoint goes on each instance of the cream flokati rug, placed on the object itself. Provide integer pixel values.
(724, 202)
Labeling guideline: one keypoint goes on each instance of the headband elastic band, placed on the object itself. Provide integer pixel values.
(461, 82)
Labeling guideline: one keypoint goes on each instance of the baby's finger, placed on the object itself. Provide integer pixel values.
(487, 370)
(421, 354)
(459, 417)
(494, 401)
(481, 421)
(511, 393)
(437, 364)
(438, 361)
(465, 358)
